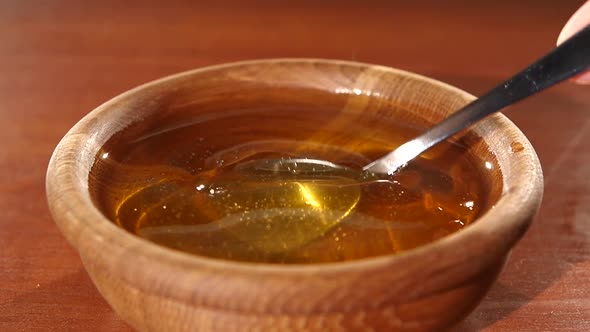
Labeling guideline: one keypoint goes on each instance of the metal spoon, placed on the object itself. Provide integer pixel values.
(570, 58)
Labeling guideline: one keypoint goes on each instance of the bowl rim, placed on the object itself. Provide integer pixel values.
(72, 209)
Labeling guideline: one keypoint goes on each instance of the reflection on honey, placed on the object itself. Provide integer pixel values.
(189, 187)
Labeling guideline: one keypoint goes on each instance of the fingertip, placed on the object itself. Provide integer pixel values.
(582, 79)
(580, 19)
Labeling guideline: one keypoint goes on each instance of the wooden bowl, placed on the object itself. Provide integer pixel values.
(425, 289)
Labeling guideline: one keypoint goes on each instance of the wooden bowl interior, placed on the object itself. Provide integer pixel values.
(314, 87)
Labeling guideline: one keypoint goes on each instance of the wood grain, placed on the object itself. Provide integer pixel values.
(63, 58)
(425, 289)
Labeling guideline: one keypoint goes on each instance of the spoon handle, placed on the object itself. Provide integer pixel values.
(570, 58)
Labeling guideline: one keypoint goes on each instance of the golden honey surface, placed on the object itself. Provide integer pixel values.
(198, 186)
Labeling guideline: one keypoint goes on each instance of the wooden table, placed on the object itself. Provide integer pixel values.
(60, 59)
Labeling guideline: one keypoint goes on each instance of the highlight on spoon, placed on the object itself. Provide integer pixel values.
(396, 159)
(289, 165)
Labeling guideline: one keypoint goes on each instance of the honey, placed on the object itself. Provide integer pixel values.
(283, 185)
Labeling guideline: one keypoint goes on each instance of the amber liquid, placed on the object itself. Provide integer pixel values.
(189, 185)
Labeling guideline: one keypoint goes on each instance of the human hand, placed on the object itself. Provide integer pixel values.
(579, 20)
